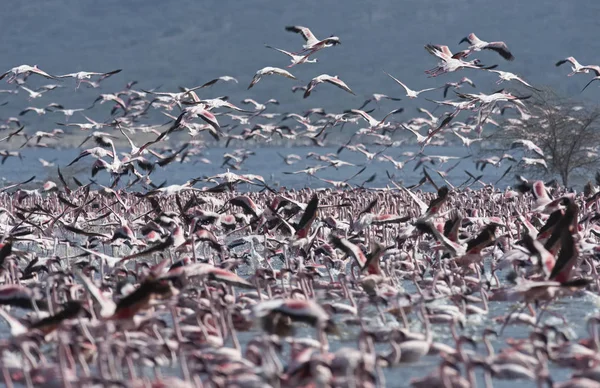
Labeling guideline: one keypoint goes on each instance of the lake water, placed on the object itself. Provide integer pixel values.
(268, 162)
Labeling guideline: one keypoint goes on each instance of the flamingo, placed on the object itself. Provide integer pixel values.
(269, 71)
(409, 92)
(329, 79)
(295, 59)
(477, 44)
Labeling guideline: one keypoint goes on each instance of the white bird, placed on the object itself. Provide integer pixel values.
(576, 67)
(378, 97)
(312, 43)
(506, 76)
(409, 92)
(49, 87)
(257, 105)
(308, 171)
(224, 78)
(212, 103)
(295, 59)
(481, 164)
(370, 155)
(529, 145)
(81, 75)
(487, 99)
(290, 159)
(25, 70)
(420, 138)
(465, 140)
(110, 97)
(176, 98)
(326, 78)
(477, 44)
(45, 163)
(457, 85)
(397, 165)
(449, 62)
(67, 112)
(32, 94)
(201, 111)
(81, 126)
(374, 123)
(432, 121)
(533, 162)
(270, 71)
(39, 111)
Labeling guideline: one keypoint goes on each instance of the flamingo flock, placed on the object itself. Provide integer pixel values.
(230, 281)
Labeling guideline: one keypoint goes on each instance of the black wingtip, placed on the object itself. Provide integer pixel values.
(588, 84)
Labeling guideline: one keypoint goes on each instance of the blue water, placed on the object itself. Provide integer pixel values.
(267, 162)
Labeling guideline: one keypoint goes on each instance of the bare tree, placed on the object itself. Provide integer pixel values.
(567, 134)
